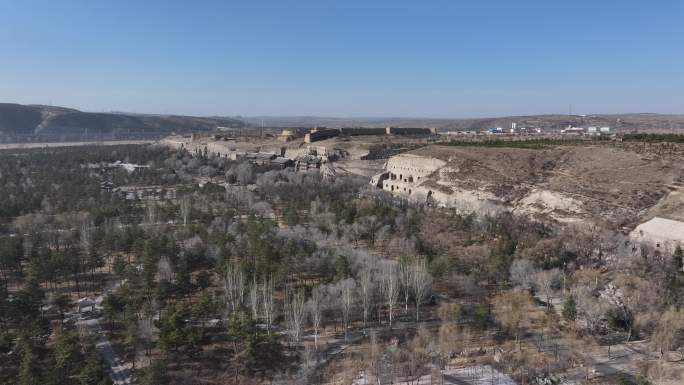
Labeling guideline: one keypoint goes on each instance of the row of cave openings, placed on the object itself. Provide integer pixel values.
(408, 179)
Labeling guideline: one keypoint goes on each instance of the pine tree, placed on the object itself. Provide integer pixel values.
(678, 259)
(342, 269)
(675, 278)
(570, 309)
(93, 372)
(156, 374)
(30, 368)
(67, 352)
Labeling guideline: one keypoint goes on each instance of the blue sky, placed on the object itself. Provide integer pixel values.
(345, 58)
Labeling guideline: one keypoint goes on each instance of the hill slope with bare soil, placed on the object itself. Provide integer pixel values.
(28, 122)
(599, 183)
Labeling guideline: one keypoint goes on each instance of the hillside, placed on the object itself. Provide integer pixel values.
(34, 122)
(603, 184)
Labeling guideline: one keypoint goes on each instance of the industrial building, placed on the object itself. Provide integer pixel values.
(321, 133)
(357, 131)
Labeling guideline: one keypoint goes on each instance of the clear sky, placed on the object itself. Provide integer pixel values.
(451, 58)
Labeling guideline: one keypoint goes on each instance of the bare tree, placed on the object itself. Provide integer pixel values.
(512, 309)
(234, 286)
(589, 306)
(347, 288)
(421, 282)
(371, 225)
(308, 366)
(294, 313)
(367, 286)
(254, 299)
(390, 286)
(405, 277)
(146, 332)
(664, 337)
(522, 273)
(315, 307)
(151, 215)
(86, 236)
(356, 231)
(86, 241)
(164, 269)
(547, 281)
(268, 303)
(185, 208)
(244, 173)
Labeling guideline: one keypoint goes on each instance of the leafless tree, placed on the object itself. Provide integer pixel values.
(244, 173)
(254, 299)
(164, 269)
(589, 306)
(511, 308)
(640, 300)
(268, 302)
(367, 286)
(522, 273)
(421, 282)
(547, 281)
(371, 225)
(151, 215)
(294, 313)
(356, 231)
(86, 236)
(262, 208)
(146, 332)
(234, 286)
(390, 287)
(665, 334)
(185, 208)
(406, 279)
(347, 288)
(308, 366)
(315, 307)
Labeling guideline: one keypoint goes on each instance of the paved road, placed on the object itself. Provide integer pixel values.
(115, 366)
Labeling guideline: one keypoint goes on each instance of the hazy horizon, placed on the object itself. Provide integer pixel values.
(348, 59)
(350, 117)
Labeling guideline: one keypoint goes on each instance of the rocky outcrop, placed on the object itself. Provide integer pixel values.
(599, 184)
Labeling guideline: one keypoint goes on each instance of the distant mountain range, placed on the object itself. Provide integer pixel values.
(37, 122)
(618, 122)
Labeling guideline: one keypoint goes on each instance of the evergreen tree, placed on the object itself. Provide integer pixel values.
(342, 269)
(570, 309)
(291, 215)
(67, 352)
(119, 266)
(252, 349)
(156, 374)
(92, 372)
(675, 279)
(30, 369)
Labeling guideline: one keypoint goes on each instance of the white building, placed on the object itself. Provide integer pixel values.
(660, 234)
(404, 172)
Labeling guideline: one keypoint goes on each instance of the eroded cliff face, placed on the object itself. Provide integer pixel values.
(596, 184)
